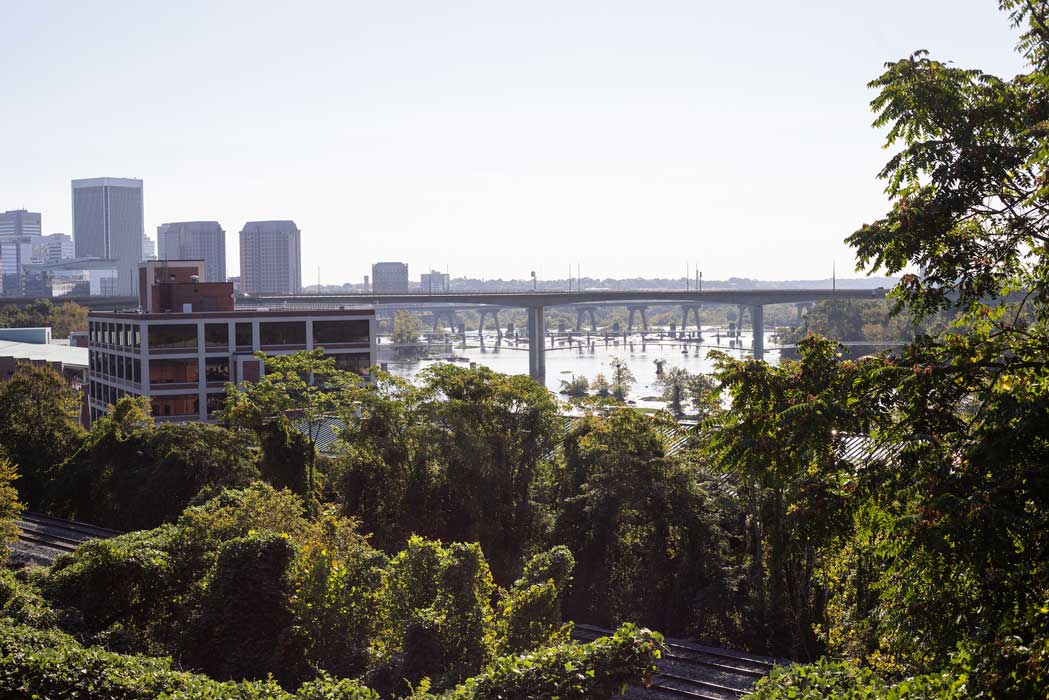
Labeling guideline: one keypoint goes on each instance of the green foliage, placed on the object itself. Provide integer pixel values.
(39, 426)
(575, 387)
(52, 665)
(131, 474)
(844, 681)
(246, 629)
(299, 393)
(10, 506)
(622, 378)
(63, 318)
(406, 328)
(455, 457)
(625, 510)
(22, 604)
(531, 613)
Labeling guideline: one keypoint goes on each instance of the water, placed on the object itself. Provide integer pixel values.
(564, 364)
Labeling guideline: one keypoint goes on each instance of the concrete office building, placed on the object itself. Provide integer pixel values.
(108, 223)
(189, 340)
(270, 258)
(195, 240)
(149, 248)
(434, 281)
(390, 278)
(18, 223)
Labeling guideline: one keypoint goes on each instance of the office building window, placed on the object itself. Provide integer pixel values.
(344, 331)
(173, 337)
(352, 361)
(282, 333)
(173, 371)
(175, 405)
(244, 336)
(216, 369)
(216, 335)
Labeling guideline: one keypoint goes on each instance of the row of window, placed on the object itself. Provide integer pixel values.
(106, 364)
(187, 370)
(125, 335)
(271, 334)
(162, 406)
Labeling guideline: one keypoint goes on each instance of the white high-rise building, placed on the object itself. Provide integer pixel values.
(108, 222)
(149, 248)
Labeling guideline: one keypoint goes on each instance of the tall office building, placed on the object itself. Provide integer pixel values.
(195, 240)
(18, 223)
(390, 278)
(108, 223)
(270, 258)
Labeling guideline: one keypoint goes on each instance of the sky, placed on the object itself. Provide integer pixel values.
(488, 138)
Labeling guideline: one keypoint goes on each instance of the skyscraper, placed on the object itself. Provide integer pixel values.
(108, 223)
(270, 258)
(19, 222)
(195, 240)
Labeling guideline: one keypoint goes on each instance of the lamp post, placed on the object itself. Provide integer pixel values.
(533, 280)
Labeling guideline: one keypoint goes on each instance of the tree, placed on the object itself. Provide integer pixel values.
(10, 507)
(301, 392)
(406, 328)
(675, 383)
(576, 387)
(39, 426)
(622, 378)
(601, 386)
(63, 319)
(131, 474)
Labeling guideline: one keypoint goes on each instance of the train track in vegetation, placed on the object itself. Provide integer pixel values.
(43, 538)
(695, 671)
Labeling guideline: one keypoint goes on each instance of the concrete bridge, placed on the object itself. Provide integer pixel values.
(535, 304)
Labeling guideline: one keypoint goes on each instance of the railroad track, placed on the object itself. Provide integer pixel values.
(694, 671)
(48, 537)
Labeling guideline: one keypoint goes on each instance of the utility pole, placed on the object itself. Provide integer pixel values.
(686, 277)
(834, 275)
(701, 281)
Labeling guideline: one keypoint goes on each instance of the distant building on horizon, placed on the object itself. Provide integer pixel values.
(15, 253)
(149, 248)
(53, 248)
(390, 278)
(270, 258)
(19, 222)
(108, 223)
(195, 240)
(433, 282)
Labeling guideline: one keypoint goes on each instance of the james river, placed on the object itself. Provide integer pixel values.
(564, 363)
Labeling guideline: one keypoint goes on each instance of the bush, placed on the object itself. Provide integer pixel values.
(53, 665)
(846, 681)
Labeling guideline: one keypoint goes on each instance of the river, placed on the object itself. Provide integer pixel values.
(564, 363)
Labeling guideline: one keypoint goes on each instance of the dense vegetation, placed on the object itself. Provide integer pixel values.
(63, 318)
(883, 519)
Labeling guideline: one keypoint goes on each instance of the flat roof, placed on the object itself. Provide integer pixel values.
(50, 352)
(235, 314)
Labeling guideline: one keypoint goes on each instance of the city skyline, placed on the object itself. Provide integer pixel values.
(490, 140)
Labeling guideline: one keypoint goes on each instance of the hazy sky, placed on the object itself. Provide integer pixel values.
(493, 137)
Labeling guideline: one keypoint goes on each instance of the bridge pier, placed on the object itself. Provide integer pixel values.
(757, 323)
(495, 319)
(630, 317)
(537, 344)
(580, 311)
